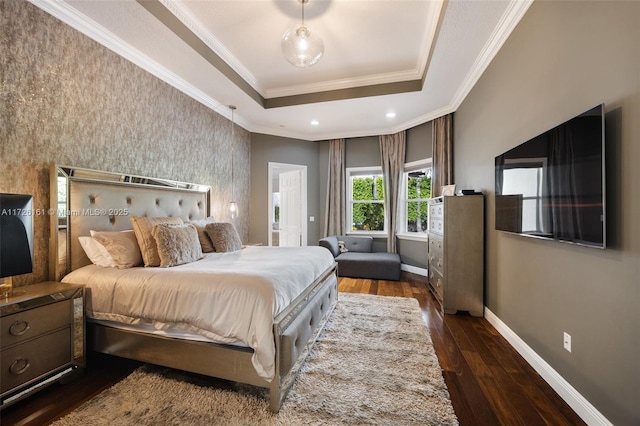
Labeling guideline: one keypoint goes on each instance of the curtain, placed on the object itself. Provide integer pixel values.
(336, 184)
(442, 166)
(392, 149)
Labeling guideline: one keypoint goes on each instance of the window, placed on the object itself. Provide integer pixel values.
(416, 190)
(365, 195)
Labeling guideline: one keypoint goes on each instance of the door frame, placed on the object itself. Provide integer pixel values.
(274, 170)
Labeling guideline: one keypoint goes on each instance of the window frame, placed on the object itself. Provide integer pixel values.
(351, 172)
(402, 233)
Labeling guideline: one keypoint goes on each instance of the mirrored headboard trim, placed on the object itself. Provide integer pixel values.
(85, 199)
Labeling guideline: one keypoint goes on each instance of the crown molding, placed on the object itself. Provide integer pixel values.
(511, 17)
(180, 11)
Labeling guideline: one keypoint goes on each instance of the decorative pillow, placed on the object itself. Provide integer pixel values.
(224, 236)
(122, 246)
(177, 244)
(205, 241)
(96, 252)
(142, 227)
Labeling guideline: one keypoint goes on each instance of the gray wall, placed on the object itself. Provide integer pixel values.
(68, 100)
(562, 59)
(265, 149)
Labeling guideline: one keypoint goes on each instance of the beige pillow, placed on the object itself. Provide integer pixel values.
(122, 246)
(224, 236)
(142, 227)
(205, 241)
(177, 244)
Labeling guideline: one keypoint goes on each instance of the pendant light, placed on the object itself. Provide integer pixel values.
(300, 46)
(233, 206)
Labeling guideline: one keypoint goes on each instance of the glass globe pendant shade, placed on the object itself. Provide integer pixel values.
(302, 48)
(233, 209)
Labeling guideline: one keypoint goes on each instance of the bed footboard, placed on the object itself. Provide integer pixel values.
(296, 330)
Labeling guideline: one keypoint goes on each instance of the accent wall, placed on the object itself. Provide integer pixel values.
(68, 100)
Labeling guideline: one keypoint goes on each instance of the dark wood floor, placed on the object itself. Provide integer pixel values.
(489, 383)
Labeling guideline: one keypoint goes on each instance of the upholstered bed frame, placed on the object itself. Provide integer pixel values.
(101, 201)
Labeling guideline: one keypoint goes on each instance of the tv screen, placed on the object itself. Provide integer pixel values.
(16, 234)
(553, 186)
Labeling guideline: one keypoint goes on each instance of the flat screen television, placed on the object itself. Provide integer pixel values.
(553, 186)
(16, 234)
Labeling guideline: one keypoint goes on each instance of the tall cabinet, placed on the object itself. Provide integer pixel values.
(456, 253)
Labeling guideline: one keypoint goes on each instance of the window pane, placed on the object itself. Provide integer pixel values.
(419, 184)
(417, 216)
(418, 191)
(365, 190)
(368, 217)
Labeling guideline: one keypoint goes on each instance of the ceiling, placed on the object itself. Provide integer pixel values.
(415, 58)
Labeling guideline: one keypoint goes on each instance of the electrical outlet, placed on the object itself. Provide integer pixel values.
(567, 341)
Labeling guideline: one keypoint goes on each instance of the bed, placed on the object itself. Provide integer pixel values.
(248, 315)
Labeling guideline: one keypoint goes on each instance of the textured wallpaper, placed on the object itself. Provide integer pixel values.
(68, 100)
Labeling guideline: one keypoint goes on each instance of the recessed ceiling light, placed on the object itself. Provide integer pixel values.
(314, 122)
(390, 114)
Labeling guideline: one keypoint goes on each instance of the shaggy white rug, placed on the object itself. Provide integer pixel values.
(373, 364)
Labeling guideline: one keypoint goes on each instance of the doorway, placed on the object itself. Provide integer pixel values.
(287, 205)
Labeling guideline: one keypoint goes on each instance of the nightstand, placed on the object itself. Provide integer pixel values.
(42, 338)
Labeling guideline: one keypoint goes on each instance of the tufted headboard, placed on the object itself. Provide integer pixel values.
(104, 201)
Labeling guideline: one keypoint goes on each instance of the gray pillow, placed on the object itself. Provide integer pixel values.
(224, 237)
(177, 244)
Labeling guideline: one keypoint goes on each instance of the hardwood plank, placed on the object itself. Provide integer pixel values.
(464, 412)
(512, 365)
(390, 288)
(520, 400)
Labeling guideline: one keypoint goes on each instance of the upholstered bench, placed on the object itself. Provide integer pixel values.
(357, 258)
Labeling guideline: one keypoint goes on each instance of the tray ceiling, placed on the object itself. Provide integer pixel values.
(417, 59)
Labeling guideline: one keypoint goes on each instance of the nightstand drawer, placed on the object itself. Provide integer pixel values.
(31, 323)
(28, 361)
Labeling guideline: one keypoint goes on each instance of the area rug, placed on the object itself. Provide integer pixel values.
(374, 363)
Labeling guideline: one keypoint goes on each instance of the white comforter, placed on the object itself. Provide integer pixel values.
(226, 297)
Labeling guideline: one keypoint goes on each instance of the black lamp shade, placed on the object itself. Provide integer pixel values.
(16, 234)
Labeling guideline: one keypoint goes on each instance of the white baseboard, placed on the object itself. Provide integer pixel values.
(571, 396)
(414, 270)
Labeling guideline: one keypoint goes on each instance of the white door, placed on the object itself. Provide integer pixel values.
(290, 208)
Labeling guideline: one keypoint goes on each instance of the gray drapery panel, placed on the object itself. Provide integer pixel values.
(392, 149)
(336, 184)
(442, 158)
